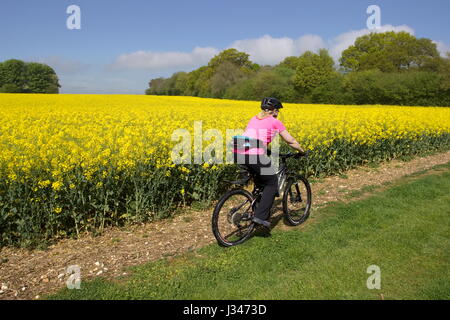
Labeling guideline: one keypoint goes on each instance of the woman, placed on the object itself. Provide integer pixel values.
(250, 151)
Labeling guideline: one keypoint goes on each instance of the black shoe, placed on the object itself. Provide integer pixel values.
(261, 222)
(262, 231)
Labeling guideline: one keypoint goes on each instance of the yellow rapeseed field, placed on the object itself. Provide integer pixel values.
(70, 156)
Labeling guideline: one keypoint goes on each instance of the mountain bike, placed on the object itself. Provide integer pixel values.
(232, 217)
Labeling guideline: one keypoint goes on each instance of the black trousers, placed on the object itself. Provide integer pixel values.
(260, 167)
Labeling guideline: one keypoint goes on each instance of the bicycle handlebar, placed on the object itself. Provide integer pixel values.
(295, 155)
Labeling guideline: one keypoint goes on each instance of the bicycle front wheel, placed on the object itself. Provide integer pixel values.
(297, 199)
(232, 218)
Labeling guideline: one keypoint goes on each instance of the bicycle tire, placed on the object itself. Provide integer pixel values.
(289, 218)
(221, 239)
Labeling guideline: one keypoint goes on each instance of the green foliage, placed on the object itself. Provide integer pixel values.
(19, 77)
(41, 79)
(173, 86)
(12, 74)
(375, 68)
(331, 91)
(390, 52)
(313, 70)
(267, 82)
(376, 87)
(290, 62)
(444, 70)
(233, 56)
(10, 88)
(226, 75)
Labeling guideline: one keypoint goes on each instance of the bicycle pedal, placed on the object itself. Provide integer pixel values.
(263, 231)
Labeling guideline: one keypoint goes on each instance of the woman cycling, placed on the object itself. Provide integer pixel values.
(250, 151)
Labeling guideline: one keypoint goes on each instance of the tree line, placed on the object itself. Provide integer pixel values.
(17, 76)
(379, 68)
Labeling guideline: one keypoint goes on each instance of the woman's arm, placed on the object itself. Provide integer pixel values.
(290, 140)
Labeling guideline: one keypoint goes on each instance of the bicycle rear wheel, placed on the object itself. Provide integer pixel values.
(231, 220)
(297, 199)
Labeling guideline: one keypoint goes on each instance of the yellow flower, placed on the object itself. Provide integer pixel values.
(58, 210)
(109, 135)
(57, 185)
(184, 169)
(44, 184)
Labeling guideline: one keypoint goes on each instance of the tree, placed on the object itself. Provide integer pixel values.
(406, 88)
(290, 62)
(267, 82)
(226, 75)
(227, 68)
(312, 71)
(13, 75)
(156, 86)
(390, 52)
(331, 92)
(444, 70)
(212, 80)
(180, 83)
(10, 88)
(17, 76)
(313, 78)
(41, 78)
(233, 56)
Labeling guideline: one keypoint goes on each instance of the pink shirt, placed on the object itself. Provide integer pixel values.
(263, 129)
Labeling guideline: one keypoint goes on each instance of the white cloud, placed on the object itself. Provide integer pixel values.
(268, 50)
(164, 60)
(442, 48)
(309, 42)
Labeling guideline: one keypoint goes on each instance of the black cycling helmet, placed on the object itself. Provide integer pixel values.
(271, 104)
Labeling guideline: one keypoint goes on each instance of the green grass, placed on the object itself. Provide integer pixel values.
(403, 229)
(362, 191)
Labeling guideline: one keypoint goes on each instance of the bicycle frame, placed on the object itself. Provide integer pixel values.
(282, 176)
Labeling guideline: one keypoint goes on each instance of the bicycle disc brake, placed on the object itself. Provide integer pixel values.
(235, 217)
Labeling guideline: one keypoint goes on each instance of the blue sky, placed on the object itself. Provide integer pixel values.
(124, 44)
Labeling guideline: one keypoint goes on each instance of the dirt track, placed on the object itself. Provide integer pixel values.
(28, 274)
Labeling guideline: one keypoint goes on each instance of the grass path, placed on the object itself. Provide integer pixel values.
(404, 229)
